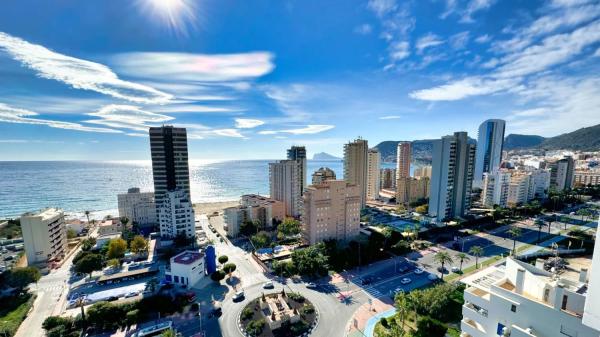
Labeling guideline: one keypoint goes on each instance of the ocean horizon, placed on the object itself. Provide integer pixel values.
(77, 186)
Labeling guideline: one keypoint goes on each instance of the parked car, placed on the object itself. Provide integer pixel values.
(455, 269)
(268, 285)
(432, 277)
(419, 271)
(131, 294)
(311, 285)
(238, 296)
(406, 280)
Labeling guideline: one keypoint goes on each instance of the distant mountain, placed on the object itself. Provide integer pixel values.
(514, 142)
(421, 150)
(324, 156)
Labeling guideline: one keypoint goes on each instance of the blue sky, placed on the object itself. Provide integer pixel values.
(85, 79)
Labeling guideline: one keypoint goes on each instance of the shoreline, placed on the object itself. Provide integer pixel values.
(215, 206)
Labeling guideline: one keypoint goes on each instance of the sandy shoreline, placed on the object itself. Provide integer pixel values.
(210, 207)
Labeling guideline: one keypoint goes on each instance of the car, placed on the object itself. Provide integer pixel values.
(238, 296)
(405, 280)
(268, 285)
(398, 290)
(365, 281)
(112, 298)
(432, 277)
(455, 269)
(419, 271)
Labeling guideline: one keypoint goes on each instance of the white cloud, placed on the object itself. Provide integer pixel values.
(390, 117)
(193, 108)
(426, 41)
(246, 123)
(289, 98)
(475, 6)
(483, 38)
(364, 29)
(467, 87)
(597, 53)
(309, 129)
(194, 67)
(227, 133)
(399, 50)
(382, 7)
(459, 40)
(78, 73)
(127, 117)
(10, 114)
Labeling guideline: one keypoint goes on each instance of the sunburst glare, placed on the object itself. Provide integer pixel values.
(177, 15)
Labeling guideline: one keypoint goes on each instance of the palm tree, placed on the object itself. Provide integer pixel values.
(402, 305)
(414, 300)
(462, 257)
(476, 251)
(416, 229)
(514, 233)
(87, 214)
(539, 223)
(442, 258)
(387, 233)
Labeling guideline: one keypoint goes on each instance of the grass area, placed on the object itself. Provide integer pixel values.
(470, 269)
(11, 230)
(453, 332)
(14, 312)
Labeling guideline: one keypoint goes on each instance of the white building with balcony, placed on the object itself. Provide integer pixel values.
(44, 235)
(521, 300)
(176, 214)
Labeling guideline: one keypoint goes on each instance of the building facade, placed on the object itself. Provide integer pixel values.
(490, 142)
(453, 161)
(176, 215)
(423, 171)
(562, 174)
(138, 207)
(388, 178)
(587, 177)
(44, 236)
(186, 268)
(322, 174)
(331, 211)
(285, 185)
(355, 166)
(298, 153)
(403, 157)
(410, 189)
(253, 207)
(110, 227)
(495, 188)
(373, 170)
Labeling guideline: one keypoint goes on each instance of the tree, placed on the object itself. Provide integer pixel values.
(476, 251)
(422, 209)
(113, 263)
(87, 215)
(289, 227)
(89, 263)
(260, 240)
(387, 234)
(169, 333)
(310, 261)
(116, 248)
(152, 284)
(442, 258)
(22, 277)
(138, 244)
(539, 223)
(462, 257)
(217, 276)
(223, 259)
(71, 233)
(514, 233)
(402, 304)
(229, 268)
(248, 228)
(88, 244)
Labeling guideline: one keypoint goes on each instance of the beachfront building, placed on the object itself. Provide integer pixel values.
(253, 207)
(176, 215)
(453, 159)
(355, 166)
(410, 189)
(331, 211)
(562, 174)
(44, 236)
(521, 300)
(138, 207)
(110, 226)
(387, 179)
(373, 169)
(490, 142)
(285, 185)
(186, 268)
(298, 153)
(423, 171)
(587, 177)
(495, 188)
(322, 174)
(403, 157)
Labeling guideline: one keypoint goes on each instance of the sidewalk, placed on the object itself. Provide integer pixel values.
(365, 318)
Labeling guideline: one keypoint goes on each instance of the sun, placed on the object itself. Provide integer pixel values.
(177, 15)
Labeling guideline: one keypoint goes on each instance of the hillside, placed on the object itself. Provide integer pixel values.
(513, 141)
(584, 139)
(324, 156)
(421, 150)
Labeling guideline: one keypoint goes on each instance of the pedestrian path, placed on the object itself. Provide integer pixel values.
(370, 327)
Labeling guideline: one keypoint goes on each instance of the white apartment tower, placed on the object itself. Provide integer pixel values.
(495, 188)
(285, 185)
(44, 235)
(453, 160)
(562, 174)
(331, 211)
(403, 157)
(373, 171)
(176, 215)
(490, 141)
(298, 153)
(138, 207)
(355, 166)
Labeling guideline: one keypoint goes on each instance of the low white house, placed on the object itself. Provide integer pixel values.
(186, 268)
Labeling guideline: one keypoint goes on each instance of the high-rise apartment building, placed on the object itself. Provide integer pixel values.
(253, 207)
(518, 189)
(562, 173)
(331, 211)
(285, 185)
(495, 188)
(587, 177)
(299, 153)
(355, 166)
(388, 178)
(591, 312)
(322, 174)
(44, 236)
(373, 170)
(176, 214)
(138, 207)
(423, 171)
(403, 157)
(490, 141)
(453, 161)
(410, 189)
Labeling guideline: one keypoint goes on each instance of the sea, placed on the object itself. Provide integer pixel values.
(77, 186)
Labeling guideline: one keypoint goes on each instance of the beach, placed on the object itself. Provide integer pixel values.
(210, 207)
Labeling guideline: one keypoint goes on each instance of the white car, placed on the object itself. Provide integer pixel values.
(405, 280)
(432, 277)
(238, 296)
(268, 285)
(455, 269)
(398, 290)
(311, 285)
(131, 294)
(419, 271)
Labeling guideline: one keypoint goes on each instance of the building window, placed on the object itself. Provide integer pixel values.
(513, 308)
(563, 306)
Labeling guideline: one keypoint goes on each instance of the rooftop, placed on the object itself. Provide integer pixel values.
(188, 257)
(46, 213)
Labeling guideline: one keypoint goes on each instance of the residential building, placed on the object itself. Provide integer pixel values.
(331, 211)
(587, 177)
(186, 268)
(518, 189)
(285, 185)
(138, 207)
(518, 299)
(423, 171)
(453, 160)
(355, 166)
(490, 142)
(591, 312)
(253, 207)
(44, 236)
(562, 174)
(74, 224)
(298, 153)
(410, 189)
(322, 174)
(495, 188)
(539, 183)
(403, 157)
(373, 169)
(109, 227)
(388, 178)
(176, 215)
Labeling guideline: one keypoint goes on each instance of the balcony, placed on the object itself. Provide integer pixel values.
(477, 297)
(473, 311)
(472, 328)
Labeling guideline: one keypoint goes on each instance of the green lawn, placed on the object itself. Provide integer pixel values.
(14, 313)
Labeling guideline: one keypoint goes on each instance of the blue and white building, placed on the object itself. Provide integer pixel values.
(490, 142)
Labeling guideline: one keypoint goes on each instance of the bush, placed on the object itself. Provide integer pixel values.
(229, 268)
(255, 328)
(217, 276)
(427, 326)
(308, 309)
(385, 323)
(223, 259)
(247, 314)
(52, 322)
(299, 328)
(296, 297)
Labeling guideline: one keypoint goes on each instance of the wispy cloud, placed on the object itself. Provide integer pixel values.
(428, 40)
(390, 117)
(364, 29)
(246, 123)
(459, 40)
(475, 6)
(127, 117)
(289, 98)
(483, 38)
(309, 129)
(78, 73)
(382, 7)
